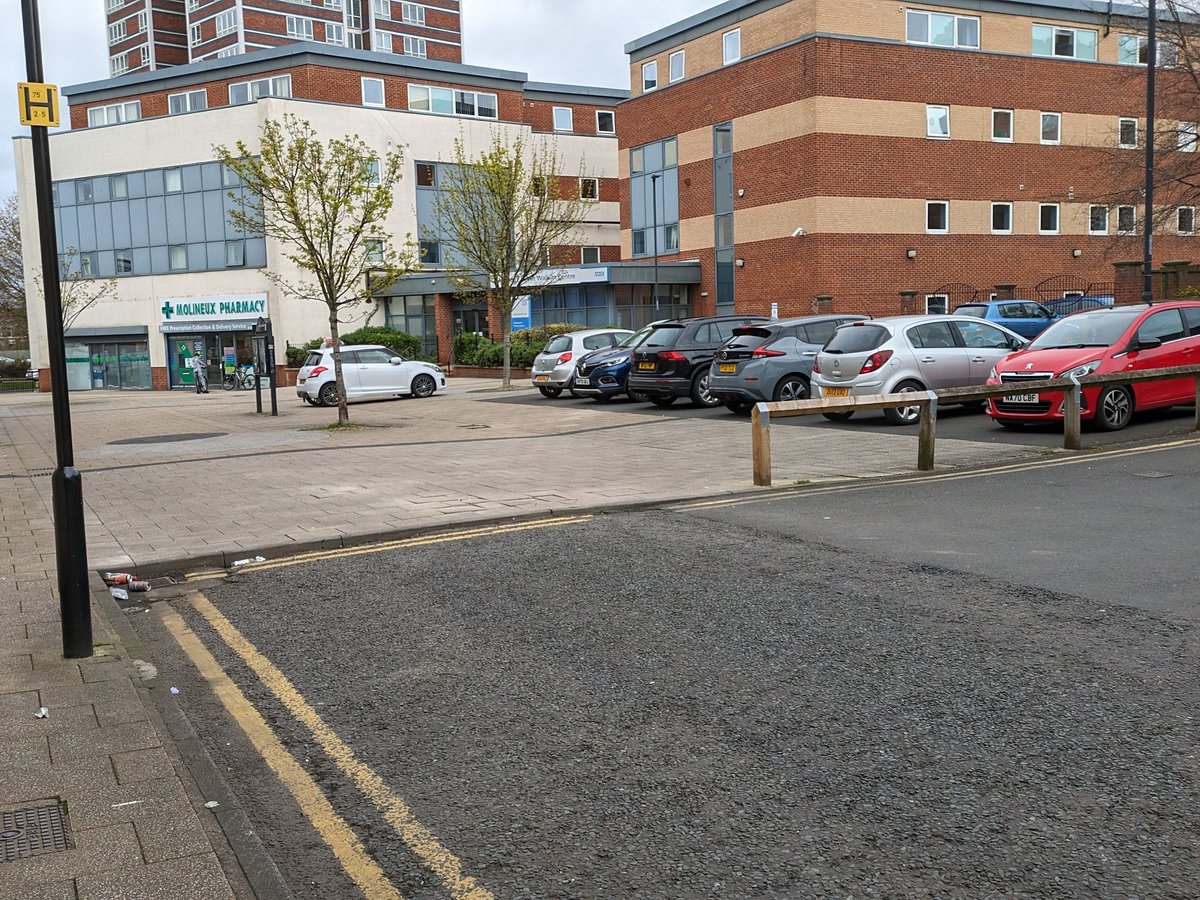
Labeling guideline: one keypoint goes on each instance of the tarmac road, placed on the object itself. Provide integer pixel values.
(869, 692)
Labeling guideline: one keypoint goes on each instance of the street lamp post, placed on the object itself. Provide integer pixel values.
(654, 230)
(70, 542)
(1148, 225)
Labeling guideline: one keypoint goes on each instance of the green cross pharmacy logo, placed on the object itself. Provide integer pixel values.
(168, 310)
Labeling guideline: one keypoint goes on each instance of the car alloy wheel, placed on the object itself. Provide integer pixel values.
(328, 395)
(423, 386)
(905, 415)
(792, 387)
(701, 395)
(1114, 408)
(550, 392)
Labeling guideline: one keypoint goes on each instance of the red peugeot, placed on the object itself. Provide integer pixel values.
(1104, 341)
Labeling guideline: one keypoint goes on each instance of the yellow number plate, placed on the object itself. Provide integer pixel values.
(541, 377)
(835, 392)
(727, 368)
(642, 366)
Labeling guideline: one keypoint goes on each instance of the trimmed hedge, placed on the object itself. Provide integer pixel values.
(399, 342)
(476, 350)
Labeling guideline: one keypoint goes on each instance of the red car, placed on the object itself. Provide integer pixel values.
(1104, 341)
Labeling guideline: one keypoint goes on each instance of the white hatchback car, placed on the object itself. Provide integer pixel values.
(370, 372)
(554, 367)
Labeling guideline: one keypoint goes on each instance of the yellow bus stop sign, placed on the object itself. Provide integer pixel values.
(38, 104)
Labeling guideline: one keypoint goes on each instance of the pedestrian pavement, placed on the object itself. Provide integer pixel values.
(180, 481)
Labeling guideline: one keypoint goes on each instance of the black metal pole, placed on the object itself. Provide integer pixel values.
(70, 538)
(654, 232)
(271, 368)
(1148, 225)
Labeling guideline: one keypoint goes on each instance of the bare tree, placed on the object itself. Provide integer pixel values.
(502, 211)
(325, 202)
(79, 287)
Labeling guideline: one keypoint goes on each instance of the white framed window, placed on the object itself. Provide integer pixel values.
(1127, 133)
(119, 64)
(382, 8)
(564, 119)
(414, 46)
(189, 101)
(227, 51)
(1051, 132)
(115, 113)
(246, 91)
(333, 4)
(373, 92)
(1187, 137)
(606, 121)
(942, 29)
(1185, 220)
(937, 121)
(731, 46)
(335, 33)
(116, 32)
(235, 254)
(381, 40)
(1097, 219)
(372, 174)
(412, 13)
(937, 216)
(124, 262)
(589, 189)
(113, 5)
(226, 22)
(177, 258)
(675, 66)
(1002, 218)
(193, 5)
(589, 256)
(1068, 43)
(141, 21)
(173, 180)
(300, 28)
(449, 102)
(937, 304)
(1126, 220)
(1002, 125)
(1134, 50)
(650, 75)
(1048, 218)
(195, 36)
(373, 250)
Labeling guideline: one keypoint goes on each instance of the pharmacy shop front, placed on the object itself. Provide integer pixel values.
(217, 329)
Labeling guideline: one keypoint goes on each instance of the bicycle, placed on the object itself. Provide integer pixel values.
(243, 377)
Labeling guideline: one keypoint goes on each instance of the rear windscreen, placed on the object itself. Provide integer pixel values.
(857, 338)
(664, 336)
(750, 338)
(977, 311)
(314, 359)
(560, 344)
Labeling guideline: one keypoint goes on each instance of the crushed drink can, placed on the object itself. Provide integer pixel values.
(139, 585)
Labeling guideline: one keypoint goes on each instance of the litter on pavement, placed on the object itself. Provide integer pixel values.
(246, 562)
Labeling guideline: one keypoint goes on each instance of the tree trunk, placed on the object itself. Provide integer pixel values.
(343, 411)
(506, 321)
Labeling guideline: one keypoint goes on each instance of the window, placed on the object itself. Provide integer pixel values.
(564, 120)
(335, 34)
(1071, 43)
(675, 66)
(938, 304)
(1002, 125)
(637, 160)
(235, 254)
(83, 191)
(381, 40)
(1164, 326)
(414, 46)
(937, 216)
(371, 172)
(119, 64)
(1048, 218)
(177, 258)
(116, 32)
(731, 44)
(1002, 218)
(937, 121)
(373, 250)
(113, 5)
(942, 29)
(650, 75)
(89, 264)
(1126, 220)
(172, 181)
(226, 52)
(1185, 220)
(589, 256)
(118, 187)
(639, 242)
(382, 8)
(449, 102)
(1097, 220)
(115, 113)
(1051, 128)
(1127, 136)
(1187, 137)
(431, 253)
(671, 237)
(141, 22)
(187, 102)
(606, 122)
(226, 22)
(426, 175)
(1134, 50)
(372, 92)
(246, 91)
(413, 13)
(589, 189)
(195, 36)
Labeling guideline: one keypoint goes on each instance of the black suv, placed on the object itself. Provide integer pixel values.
(674, 360)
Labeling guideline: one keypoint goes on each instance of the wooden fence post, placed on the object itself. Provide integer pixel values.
(928, 423)
(760, 424)
(1072, 427)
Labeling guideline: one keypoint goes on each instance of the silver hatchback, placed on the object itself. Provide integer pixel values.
(909, 353)
(554, 367)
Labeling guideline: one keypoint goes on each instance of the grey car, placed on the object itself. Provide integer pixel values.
(554, 367)
(771, 361)
(909, 353)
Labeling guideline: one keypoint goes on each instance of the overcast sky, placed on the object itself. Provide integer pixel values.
(565, 41)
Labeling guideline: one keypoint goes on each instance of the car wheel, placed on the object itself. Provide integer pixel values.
(310, 401)
(639, 397)
(550, 392)
(838, 417)
(700, 393)
(905, 415)
(1114, 408)
(328, 395)
(423, 386)
(739, 407)
(791, 387)
(664, 402)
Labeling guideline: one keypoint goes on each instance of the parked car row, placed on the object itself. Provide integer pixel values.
(742, 360)
(1027, 317)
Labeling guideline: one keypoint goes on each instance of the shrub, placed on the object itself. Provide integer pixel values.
(399, 342)
(477, 350)
(296, 356)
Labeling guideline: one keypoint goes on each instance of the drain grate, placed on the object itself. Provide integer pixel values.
(32, 831)
(39, 473)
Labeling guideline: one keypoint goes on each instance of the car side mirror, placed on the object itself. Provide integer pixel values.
(396, 360)
(1015, 343)
(1146, 343)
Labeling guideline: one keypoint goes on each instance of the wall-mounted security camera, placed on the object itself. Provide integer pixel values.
(799, 232)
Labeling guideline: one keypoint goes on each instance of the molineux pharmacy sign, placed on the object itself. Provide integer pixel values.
(194, 315)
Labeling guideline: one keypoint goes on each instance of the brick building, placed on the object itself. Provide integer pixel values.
(834, 153)
(146, 35)
(140, 199)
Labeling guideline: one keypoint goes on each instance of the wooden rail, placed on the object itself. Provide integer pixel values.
(928, 401)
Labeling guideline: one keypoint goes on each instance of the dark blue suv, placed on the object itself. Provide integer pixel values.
(604, 374)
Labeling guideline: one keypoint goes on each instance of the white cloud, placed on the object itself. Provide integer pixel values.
(564, 42)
